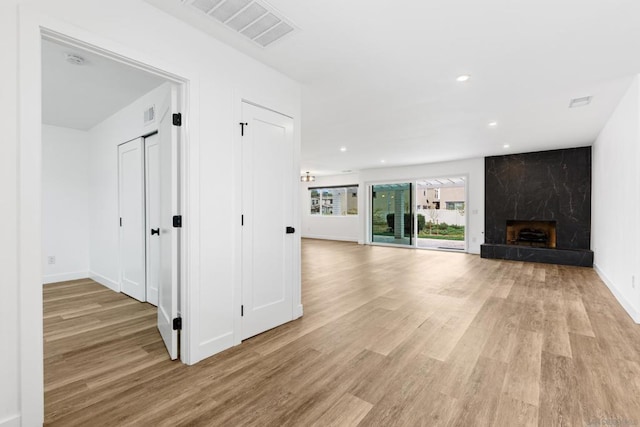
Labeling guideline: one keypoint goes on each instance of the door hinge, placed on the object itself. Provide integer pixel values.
(120, 222)
(177, 119)
(242, 125)
(177, 221)
(241, 310)
(242, 220)
(177, 324)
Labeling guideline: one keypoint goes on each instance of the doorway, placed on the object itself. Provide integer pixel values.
(424, 214)
(392, 214)
(441, 213)
(132, 189)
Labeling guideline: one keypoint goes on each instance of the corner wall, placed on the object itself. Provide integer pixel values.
(65, 203)
(616, 202)
(330, 227)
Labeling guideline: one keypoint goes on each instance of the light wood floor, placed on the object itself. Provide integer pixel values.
(389, 337)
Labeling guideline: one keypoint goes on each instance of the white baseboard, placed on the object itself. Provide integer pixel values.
(63, 277)
(298, 312)
(339, 238)
(628, 307)
(213, 346)
(105, 281)
(13, 421)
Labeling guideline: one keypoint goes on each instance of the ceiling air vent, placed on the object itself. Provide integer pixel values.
(580, 102)
(254, 19)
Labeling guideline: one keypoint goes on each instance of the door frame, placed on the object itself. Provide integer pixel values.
(33, 27)
(368, 185)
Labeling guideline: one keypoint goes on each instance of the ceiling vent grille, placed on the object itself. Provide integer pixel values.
(580, 102)
(254, 19)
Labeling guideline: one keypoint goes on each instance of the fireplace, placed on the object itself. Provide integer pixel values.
(537, 234)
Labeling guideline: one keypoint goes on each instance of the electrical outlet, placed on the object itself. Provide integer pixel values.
(51, 260)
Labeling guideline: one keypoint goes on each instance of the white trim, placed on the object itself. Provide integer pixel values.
(63, 277)
(216, 345)
(323, 237)
(13, 421)
(114, 285)
(628, 307)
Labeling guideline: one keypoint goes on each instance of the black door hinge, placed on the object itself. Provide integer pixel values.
(242, 125)
(177, 119)
(241, 219)
(241, 310)
(177, 324)
(177, 221)
(120, 222)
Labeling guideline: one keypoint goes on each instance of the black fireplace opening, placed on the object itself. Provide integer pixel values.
(537, 234)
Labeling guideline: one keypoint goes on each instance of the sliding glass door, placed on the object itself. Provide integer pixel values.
(392, 214)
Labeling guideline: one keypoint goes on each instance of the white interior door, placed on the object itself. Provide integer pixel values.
(132, 221)
(267, 207)
(169, 206)
(152, 232)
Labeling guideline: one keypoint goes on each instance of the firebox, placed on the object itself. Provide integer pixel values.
(539, 234)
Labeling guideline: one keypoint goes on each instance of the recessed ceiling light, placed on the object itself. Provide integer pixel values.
(381, 161)
(506, 146)
(343, 149)
(493, 124)
(463, 77)
(580, 102)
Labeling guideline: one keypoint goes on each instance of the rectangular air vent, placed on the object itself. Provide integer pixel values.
(150, 115)
(254, 19)
(580, 102)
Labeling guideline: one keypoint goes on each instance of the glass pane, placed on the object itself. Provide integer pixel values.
(352, 201)
(391, 220)
(315, 202)
(441, 213)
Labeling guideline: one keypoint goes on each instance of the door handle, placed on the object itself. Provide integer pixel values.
(155, 231)
(291, 230)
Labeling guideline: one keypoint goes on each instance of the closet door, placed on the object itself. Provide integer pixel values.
(152, 185)
(268, 236)
(132, 219)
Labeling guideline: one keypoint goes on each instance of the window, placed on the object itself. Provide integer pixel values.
(455, 206)
(334, 201)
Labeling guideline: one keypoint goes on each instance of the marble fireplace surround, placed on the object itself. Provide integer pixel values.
(547, 187)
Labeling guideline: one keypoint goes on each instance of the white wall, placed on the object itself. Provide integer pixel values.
(616, 182)
(65, 203)
(123, 126)
(472, 169)
(9, 290)
(219, 78)
(329, 227)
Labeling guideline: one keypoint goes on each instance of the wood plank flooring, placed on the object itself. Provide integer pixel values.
(389, 337)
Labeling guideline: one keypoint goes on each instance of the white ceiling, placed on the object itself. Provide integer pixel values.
(81, 96)
(380, 76)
